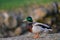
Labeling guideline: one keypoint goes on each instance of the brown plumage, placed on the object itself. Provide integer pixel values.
(10, 22)
(18, 31)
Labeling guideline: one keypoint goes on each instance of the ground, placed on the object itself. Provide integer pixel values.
(55, 36)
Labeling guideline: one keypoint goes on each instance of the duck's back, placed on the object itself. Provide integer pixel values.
(42, 25)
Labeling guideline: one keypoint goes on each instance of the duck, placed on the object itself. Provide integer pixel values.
(36, 27)
(9, 20)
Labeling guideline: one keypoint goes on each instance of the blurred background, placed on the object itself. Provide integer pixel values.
(13, 12)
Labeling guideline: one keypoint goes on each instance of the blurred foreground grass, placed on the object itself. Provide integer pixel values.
(13, 4)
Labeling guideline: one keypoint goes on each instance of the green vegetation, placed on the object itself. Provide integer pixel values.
(12, 4)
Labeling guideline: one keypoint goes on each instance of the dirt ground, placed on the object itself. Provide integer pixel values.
(28, 36)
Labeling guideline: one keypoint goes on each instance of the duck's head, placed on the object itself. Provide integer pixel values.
(29, 19)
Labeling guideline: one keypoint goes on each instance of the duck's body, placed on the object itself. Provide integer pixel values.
(10, 21)
(39, 27)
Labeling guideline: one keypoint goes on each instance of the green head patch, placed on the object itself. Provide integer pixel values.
(29, 19)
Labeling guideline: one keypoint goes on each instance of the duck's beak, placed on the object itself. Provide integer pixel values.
(24, 20)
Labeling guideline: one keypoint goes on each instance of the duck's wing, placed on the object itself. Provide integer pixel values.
(42, 25)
